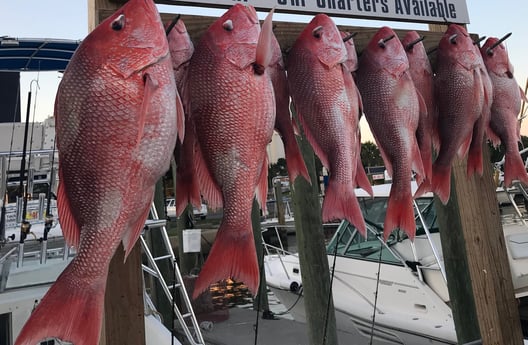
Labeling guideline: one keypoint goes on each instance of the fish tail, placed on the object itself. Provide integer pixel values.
(400, 213)
(474, 162)
(187, 191)
(77, 313)
(514, 169)
(230, 257)
(340, 202)
(441, 182)
(362, 179)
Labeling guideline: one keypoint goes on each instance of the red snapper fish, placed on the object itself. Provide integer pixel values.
(506, 105)
(392, 110)
(233, 106)
(283, 121)
(351, 64)
(321, 89)
(187, 187)
(422, 76)
(460, 94)
(116, 129)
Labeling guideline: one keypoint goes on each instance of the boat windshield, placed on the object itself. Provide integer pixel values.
(348, 242)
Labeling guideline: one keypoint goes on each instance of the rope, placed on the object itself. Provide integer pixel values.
(376, 294)
(329, 300)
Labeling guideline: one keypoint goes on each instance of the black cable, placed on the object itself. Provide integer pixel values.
(261, 267)
(376, 293)
(330, 290)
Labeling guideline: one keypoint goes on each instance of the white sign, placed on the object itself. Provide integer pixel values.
(427, 11)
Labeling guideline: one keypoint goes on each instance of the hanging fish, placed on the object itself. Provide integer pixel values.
(506, 105)
(187, 186)
(351, 64)
(283, 120)
(392, 110)
(322, 93)
(460, 94)
(115, 114)
(233, 110)
(422, 76)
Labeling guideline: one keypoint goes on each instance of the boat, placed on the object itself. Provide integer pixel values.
(409, 297)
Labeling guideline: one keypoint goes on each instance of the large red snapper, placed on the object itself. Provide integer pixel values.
(187, 187)
(392, 110)
(116, 129)
(283, 121)
(460, 95)
(506, 106)
(320, 87)
(233, 109)
(422, 76)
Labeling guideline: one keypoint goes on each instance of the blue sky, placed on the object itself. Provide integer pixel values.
(69, 19)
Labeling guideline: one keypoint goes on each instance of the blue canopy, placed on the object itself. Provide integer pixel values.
(35, 54)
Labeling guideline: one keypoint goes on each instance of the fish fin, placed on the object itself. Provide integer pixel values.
(187, 188)
(294, 160)
(262, 187)
(523, 95)
(400, 214)
(208, 186)
(150, 88)
(76, 313)
(232, 255)
(474, 160)
(423, 188)
(417, 163)
(264, 45)
(362, 178)
(340, 202)
(313, 142)
(180, 117)
(464, 147)
(514, 169)
(493, 137)
(441, 182)
(132, 234)
(69, 226)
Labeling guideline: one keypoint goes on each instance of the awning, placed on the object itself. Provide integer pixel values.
(35, 54)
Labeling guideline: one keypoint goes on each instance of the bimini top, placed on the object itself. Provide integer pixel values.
(35, 54)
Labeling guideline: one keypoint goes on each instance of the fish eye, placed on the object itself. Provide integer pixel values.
(118, 23)
(228, 25)
(317, 32)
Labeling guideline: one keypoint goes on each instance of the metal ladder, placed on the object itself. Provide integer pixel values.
(194, 336)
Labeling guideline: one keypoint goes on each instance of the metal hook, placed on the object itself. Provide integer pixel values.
(489, 51)
(382, 42)
(413, 43)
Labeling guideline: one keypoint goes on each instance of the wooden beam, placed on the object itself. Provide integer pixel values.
(315, 272)
(124, 321)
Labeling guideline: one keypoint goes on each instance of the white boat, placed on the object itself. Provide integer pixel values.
(412, 305)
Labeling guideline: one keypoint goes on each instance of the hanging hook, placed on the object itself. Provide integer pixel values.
(489, 51)
(382, 42)
(411, 45)
(172, 24)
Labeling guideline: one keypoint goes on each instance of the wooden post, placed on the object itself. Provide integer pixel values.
(261, 299)
(315, 272)
(124, 322)
(472, 221)
(277, 186)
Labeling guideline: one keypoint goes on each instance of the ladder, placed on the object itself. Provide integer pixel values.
(194, 335)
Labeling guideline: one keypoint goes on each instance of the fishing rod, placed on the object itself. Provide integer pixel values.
(48, 222)
(25, 226)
